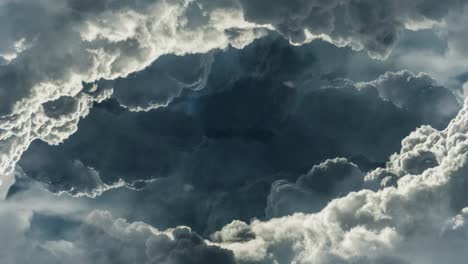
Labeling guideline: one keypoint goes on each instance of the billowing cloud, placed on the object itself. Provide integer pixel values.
(226, 136)
(169, 141)
(421, 219)
(440, 52)
(369, 25)
(100, 238)
(161, 83)
(219, 158)
(132, 147)
(312, 191)
(74, 42)
(420, 95)
(294, 114)
(45, 228)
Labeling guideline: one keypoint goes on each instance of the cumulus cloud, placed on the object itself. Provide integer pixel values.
(312, 191)
(420, 95)
(440, 52)
(206, 160)
(169, 141)
(419, 220)
(422, 218)
(45, 228)
(161, 83)
(130, 75)
(369, 25)
(73, 43)
(101, 237)
(284, 112)
(132, 147)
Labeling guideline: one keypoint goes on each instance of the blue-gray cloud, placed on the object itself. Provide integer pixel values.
(221, 156)
(194, 132)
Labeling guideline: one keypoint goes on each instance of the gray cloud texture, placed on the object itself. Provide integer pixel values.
(46, 229)
(226, 137)
(313, 190)
(99, 40)
(285, 129)
(219, 158)
(368, 25)
(112, 39)
(420, 220)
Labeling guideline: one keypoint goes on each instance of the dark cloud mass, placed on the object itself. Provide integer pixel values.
(233, 131)
(313, 190)
(221, 156)
(367, 25)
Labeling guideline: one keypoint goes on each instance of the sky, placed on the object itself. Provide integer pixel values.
(233, 131)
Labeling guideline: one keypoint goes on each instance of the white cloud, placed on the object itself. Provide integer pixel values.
(88, 46)
(74, 42)
(412, 222)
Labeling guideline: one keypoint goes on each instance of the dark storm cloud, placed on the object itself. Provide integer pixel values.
(160, 84)
(113, 39)
(313, 190)
(108, 240)
(420, 95)
(201, 138)
(73, 42)
(221, 156)
(421, 219)
(114, 146)
(373, 26)
(417, 221)
(44, 228)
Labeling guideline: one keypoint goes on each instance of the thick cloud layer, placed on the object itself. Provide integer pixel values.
(419, 220)
(221, 157)
(102, 237)
(102, 40)
(191, 131)
(420, 95)
(112, 39)
(44, 229)
(370, 25)
(440, 52)
(312, 191)
(283, 129)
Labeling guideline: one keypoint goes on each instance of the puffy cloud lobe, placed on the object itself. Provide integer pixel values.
(109, 240)
(440, 52)
(133, 148)
(46, 228)
(369, 25)
(415, 222)
(420, 95)
(93, 43)
(312, 191)
(95, 238)
(236, 231)
(160, 84)
(221, 157)
(51, 109)
(423, 214)
(112, 39)
(169, 141)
